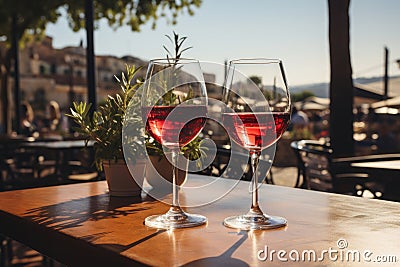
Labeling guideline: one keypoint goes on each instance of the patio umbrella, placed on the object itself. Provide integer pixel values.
(393, 103)
(313, 103)
(387, 110)
(310, 106)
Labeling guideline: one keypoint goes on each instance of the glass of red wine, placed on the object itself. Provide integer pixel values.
(257, 113)
(174, 109)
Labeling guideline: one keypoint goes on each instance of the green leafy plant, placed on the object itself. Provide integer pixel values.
(177, 42)
(106, 124)
(167, 78)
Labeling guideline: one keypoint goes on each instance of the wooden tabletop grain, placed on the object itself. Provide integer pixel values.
(81, 225)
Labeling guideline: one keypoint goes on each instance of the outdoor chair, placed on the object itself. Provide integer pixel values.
(22, 166)
(25, 167)
(240, 165)
(318, 170)
(80, 172)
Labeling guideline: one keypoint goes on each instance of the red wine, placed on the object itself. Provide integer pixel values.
(256, 130)
(181, 127)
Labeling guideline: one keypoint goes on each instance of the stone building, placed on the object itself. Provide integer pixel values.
(48, 74)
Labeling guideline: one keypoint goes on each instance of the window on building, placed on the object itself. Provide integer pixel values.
(42, 69)
(53, 69)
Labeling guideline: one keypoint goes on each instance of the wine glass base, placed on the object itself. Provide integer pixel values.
(165, 221)
(255, 222)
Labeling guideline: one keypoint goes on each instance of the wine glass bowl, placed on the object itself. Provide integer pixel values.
(174, 109)
(257, 114)
(164, 122)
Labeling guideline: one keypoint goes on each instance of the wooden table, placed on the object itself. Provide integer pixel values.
(385, 172)
(80, 225)
(58, 145)
(387, 165)
(63, 150)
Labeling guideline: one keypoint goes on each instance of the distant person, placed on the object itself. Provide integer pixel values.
(55, 116)
(372, 116)
(359, 116)
(298, 118)
(52, 122)
(317, 124)
(372, 123)
(27, 127)
(299, 125)
(386, 141)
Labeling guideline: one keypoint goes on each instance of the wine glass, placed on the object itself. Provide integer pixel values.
(256, 115)
(174, 108)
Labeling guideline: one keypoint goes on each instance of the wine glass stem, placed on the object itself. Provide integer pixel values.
(255, 156)
(175, 194)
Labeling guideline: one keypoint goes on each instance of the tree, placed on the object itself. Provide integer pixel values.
(19, 20)
(257, 80)
(133, 13)
(341, 83)
(301, 95)
(32, 17)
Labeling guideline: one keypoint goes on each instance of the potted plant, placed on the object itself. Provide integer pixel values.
(104, 127)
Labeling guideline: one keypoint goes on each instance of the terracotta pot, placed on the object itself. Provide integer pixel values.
(119, 179)
(159, 173)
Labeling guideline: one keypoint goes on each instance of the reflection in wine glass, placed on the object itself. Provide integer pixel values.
(174, 108)
(257, 114)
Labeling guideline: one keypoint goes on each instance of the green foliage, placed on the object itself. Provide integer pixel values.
(33, 16)
(106, 124)
(257, 80)
(168, 77)
(194, 150)
(177, 43)
(301, 96)
(132, 13)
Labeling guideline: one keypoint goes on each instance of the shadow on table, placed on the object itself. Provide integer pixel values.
(225, 259)
(75, 212)
(120, 248)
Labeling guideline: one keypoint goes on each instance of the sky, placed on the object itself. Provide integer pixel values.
(295, 31)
